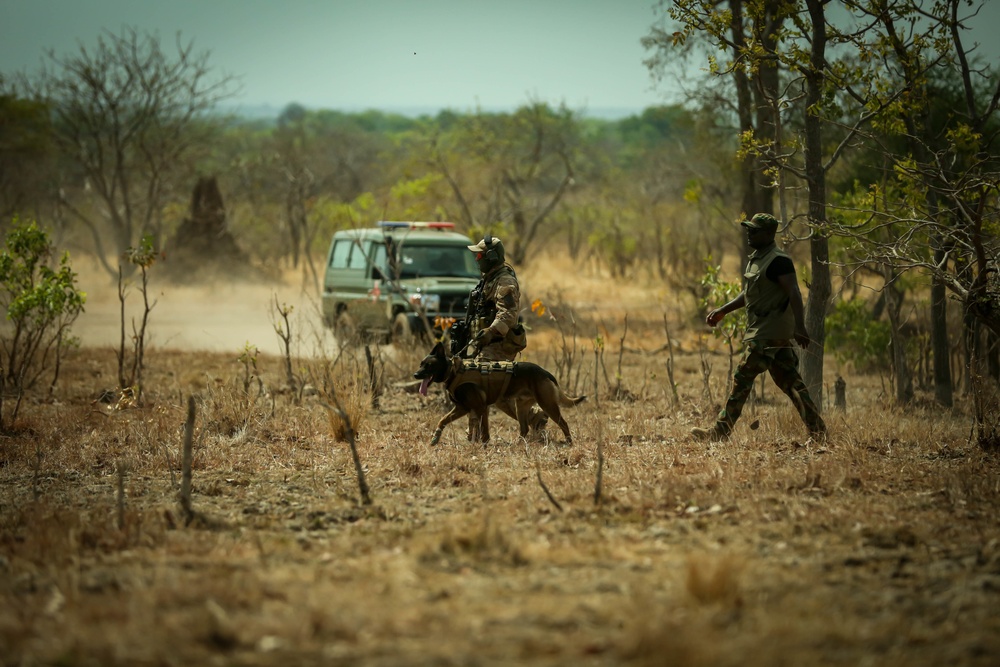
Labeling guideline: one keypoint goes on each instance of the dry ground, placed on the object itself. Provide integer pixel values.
(877, 547)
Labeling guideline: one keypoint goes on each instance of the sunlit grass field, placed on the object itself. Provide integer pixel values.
(633, 545)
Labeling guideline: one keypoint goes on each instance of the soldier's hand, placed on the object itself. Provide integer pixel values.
(714, 317)
(802, 338)
(484, 337)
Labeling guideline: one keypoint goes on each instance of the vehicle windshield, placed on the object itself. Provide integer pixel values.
(440, 261)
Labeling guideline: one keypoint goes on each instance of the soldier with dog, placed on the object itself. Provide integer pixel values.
(775, 319)
(492, 328)
(494, 305)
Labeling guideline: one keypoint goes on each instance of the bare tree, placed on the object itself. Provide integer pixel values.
(127, 115)
(511, 169)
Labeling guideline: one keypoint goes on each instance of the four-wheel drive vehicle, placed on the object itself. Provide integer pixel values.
(397, 278)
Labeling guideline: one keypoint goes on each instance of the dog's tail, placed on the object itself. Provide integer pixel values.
(567, 401)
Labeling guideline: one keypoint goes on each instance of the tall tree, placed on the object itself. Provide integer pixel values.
(775, 49)
(508, 169)
(748, 39)
(911, 56)
(939, 194)
(128, 115)
(817, 87)
(27, 158)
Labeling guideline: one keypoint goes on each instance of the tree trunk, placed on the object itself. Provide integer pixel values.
(821, 287)
(903, 377)
(940, 347)
(993, 355)
(918, 128)
(982, 388)
(749, 165)
(970, 339)
(766, 95)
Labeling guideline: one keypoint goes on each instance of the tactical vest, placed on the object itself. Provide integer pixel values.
(768, 313)
(486, 307)
(516, 338)
(492, 377)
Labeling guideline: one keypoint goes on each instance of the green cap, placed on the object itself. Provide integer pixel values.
(761, 221)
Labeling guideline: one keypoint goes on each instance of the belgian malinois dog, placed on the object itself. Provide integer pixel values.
(473, 389)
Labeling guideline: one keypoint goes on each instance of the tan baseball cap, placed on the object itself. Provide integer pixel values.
(481, 246)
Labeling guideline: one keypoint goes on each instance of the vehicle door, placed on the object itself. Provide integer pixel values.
(349, 283)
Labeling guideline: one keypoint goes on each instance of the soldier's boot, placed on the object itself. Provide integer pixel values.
(714, 434)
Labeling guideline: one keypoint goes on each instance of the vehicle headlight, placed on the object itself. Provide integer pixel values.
(426, 302)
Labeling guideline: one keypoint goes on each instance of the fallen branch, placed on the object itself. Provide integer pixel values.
(185, 498)
(675, 399)
(621, 353)
(541, 482)
(121, 469)
(374, 378)
(600, 472)
(349, 433)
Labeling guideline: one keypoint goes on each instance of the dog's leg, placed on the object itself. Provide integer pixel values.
(507, 406)
(522, 409)
(556, 416)
(558, 419)
(473, 402)
(548, 401)
(456, 413)
(475, 426)
(484, 424)
(475, 399)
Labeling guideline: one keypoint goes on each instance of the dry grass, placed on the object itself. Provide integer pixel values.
(879, 546)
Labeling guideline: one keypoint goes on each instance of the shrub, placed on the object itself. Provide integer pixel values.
(854, 337)
(718, 292)
(41, 304)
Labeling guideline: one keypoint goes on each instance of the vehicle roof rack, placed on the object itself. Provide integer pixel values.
(391, 224)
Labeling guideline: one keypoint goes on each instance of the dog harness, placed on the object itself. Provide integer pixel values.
(492, 377)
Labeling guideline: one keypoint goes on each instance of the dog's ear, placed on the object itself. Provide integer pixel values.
(438, 348)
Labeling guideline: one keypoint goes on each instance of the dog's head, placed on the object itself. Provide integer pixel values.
(433, 368)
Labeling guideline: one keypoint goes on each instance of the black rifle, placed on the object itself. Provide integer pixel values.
(461, 332)
(459, 338)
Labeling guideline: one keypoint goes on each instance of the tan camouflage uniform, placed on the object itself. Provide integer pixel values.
(503, 295)
(501, 290)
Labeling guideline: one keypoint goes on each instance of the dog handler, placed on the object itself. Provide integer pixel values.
(774, 319)
(494, 306)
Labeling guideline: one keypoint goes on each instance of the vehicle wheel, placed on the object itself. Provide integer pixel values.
(401, 330)
(344, 329)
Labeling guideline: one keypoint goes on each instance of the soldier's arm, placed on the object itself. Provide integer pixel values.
(790, 285)
(716, 315)
(508, 307)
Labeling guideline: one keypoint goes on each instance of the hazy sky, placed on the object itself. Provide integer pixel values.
(351, 54)
(388, 54)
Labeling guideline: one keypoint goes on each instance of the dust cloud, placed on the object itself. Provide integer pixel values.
(218, 317)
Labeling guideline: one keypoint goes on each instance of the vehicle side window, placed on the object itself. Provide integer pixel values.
(341, 252)
(379, 258)
(358, 257)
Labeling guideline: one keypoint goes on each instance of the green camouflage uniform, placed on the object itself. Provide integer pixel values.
(768, 347)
